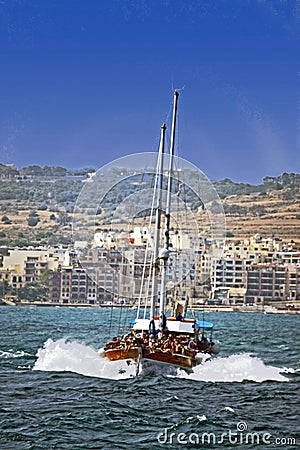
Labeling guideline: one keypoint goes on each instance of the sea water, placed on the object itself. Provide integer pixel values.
(57, 393)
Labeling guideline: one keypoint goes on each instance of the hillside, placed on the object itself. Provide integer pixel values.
(275, 213)
(37, 203)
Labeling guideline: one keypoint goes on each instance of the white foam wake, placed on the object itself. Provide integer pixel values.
(62, 356)
(235, 368)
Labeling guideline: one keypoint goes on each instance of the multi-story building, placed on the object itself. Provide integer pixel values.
(267, 282)
(252, 270)
(285, 257)
(293, 282)
(228, 276)
(21, 266)
(71, 285)
(54, 286)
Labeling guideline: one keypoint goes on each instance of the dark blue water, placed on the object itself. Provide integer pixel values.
(57, 393)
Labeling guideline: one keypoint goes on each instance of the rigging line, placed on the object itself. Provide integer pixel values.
(125, 318)
(110, 320)
(154, 200)
(143, 275)
(120, 318)
(119, 322)
(142, 280)
(147, 290)
(177, 89)
(188, 281)
(147, 246)
(144, 271)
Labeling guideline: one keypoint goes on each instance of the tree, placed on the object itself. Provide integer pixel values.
(58, 171)
(43, 207)
(32, 292)
(5, 288)
(6, 220)
(33, 213)
(33, 219)
(33, 170)
(8, 171)
(37, 290)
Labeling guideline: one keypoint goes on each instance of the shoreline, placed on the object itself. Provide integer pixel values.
(267, 309)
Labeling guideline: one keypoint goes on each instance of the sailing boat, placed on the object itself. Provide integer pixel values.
(177, 341)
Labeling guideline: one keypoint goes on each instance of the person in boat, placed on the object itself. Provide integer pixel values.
(115, 343)
(166, 343)
(203, 344)
(192, 344)
(178, 346)
(172, 344)
(166, 347)
(152, 330)
(128, 343)
(142, 340)
(179, 317)
(151, 344)
(138, 339)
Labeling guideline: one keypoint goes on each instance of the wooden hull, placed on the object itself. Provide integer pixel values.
(184, 361)
(134, 353)
(117, 354)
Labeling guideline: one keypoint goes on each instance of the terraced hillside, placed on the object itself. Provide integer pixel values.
(275, 213)
(36, 207)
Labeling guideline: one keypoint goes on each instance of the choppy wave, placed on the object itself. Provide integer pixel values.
(62, 356)
(235, 368)
(76, 357)
(13, 354)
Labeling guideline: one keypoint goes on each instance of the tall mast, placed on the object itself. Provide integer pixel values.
(164, 255)
(157, 223)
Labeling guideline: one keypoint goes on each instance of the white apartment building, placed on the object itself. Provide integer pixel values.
(21, 266)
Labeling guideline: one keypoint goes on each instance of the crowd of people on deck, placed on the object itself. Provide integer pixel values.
(162, 341)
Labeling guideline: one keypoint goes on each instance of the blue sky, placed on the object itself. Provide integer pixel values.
(85, 82)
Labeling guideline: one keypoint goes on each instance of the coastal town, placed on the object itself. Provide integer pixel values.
(259, 268)
(256, 273)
